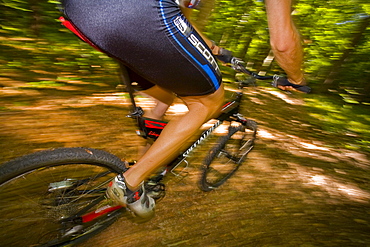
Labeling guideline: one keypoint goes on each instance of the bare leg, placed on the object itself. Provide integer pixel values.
(164, 99)
(174, 135)
(284, 39)
(158, 111)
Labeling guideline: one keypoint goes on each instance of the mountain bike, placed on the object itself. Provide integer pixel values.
(57, 197)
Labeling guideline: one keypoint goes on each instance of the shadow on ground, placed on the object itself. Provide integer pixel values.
(298, 187)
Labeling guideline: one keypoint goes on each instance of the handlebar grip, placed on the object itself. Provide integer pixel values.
(282, 81)
(238, 65)
(301, 88)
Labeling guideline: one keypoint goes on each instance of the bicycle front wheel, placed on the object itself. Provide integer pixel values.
(46, 196)
(227, 155)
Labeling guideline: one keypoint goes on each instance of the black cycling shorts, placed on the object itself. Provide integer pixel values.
(153, 39)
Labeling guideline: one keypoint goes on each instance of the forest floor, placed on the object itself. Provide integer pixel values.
(299, 186)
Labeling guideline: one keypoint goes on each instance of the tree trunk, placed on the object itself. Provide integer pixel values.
(35, 24)
(331, 81)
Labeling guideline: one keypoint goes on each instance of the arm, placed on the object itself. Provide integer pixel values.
(221, 54)
(285, 40)
(187, 13)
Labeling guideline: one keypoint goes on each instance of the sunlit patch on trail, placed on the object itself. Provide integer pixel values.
(145, 103)
(262, 133)
(283, 96)
(177, 109)
(313, 149)
(311, 146)
(256, 100)
(336, 189)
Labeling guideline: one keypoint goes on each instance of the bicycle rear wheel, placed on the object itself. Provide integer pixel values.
(46, 196)
(227, 155)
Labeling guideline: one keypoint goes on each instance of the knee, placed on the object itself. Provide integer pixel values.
(284, 39)
(282, 43)
(207, 106)
(216, 103)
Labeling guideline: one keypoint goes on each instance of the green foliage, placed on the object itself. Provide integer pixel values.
(328, 29)
(34, 45)
(341, 121)
(35, 48)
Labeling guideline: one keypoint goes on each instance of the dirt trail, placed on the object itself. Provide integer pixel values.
(296, 189)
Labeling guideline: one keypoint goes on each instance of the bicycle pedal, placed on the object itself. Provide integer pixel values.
(131, 163)
(155, 190)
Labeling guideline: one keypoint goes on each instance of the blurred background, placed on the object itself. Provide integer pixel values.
(37, 51)
(307, 181)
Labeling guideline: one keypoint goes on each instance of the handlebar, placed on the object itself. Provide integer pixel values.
(238, 65)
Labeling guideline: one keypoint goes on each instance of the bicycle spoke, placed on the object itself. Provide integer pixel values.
(226, 157)
(36, 203)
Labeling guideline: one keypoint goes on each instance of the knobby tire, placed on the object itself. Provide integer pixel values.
(226, 156)
(42, 193)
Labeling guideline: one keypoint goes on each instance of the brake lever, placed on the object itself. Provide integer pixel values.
(238, 65)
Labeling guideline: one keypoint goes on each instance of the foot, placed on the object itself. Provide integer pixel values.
(137, 201)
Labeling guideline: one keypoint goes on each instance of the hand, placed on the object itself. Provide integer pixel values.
(284, 84)
(224, 55)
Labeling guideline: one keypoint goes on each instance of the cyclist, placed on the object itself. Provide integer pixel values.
(164, 53)
(286, 45)
(168, 58)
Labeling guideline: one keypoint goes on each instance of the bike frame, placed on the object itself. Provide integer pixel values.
(151, 128)
(229, 112)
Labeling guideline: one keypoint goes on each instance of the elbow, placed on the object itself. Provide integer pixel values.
(281, 45)
(284, 41)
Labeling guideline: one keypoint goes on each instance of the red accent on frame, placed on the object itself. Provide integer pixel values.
(99, 212)
(227, 104)
(154, 124)
(136, 195)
